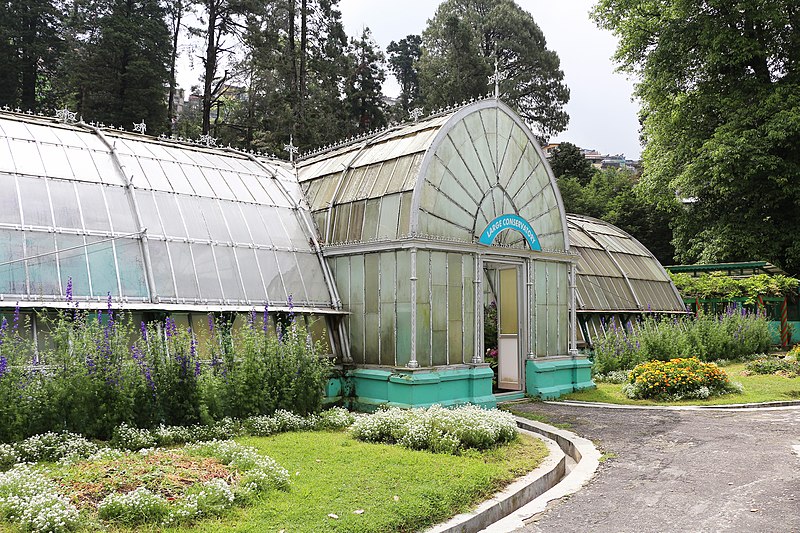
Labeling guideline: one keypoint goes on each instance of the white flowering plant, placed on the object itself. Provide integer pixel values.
(438, 429)
(32, 501)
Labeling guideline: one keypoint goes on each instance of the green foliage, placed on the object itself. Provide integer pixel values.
(363, 88)
(718, 285)
(402, 59)
(459, 48)
(736, 334)
(99, 374)
(772, 365)
(721, 121)
(567, 161)
(678, 379)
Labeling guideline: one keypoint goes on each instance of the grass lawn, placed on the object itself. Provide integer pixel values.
(757, 388)
(397, 489)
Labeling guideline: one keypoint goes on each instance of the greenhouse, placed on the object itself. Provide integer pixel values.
(394, 247)
(618, 278)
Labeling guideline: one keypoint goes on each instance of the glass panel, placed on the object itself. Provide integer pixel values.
(155, 174)
(272, 277)
(229, 273)
(217, 183)
(235, 183)
(423, 304)
(93, 207)
(251, 277)
(82, 165)
(42, 272)
(438, 307)
(236, 223)
(214, 220)
(390, 213)
(388, 286)
(65, 205)
(182, 265)
(273, 219)
(207, 275)
(72, 263)
(371, 308)
(259, 233)
(26, 157)
(149, 212)
(55, 161)
(131, 268)
(9, 205)
(193, 216)
(455, 307)
(102, 267)
(170, 216)
(120, 209)
(176, 177)
(162, 270)
(197, 180)
(291, 276)
(12, 275)
(35, 201)
(403, 307)
(371, 220)
(313, 278)
(318, 327)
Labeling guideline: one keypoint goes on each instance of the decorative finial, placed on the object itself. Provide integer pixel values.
(497, 77)
(416, 113)
(65, 115)
(291, 148)
(140, 127)
(208, 140)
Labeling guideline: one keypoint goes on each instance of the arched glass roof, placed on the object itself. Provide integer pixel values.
(150, 222)
(445, 177)
(616, 273)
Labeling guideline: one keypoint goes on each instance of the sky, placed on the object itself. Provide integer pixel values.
(602, 114)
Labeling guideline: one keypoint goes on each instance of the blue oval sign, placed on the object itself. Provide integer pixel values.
(514, 222)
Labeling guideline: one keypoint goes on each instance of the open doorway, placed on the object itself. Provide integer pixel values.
(502, 335)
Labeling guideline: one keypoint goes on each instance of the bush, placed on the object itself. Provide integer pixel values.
(678, 379)
(138, 506)
(736, 334)
(438, 429)
(773, 365)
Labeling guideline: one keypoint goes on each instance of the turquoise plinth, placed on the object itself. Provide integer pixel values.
(551, 377)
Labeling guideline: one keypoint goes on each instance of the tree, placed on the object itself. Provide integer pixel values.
(175, 9)
(403, 56)
(720, 94)
(465, 39)
(120, 72)
(30, 47)
(568, 160)
(363, 90)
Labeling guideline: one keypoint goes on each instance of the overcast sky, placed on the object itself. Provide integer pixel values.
(601, 113)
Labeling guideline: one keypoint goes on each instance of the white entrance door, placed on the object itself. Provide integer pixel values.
(508, 355)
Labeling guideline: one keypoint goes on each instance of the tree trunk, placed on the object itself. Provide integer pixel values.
(176, 28)
(210, 64)
(293, 92)
(29, 61)
(303, 47)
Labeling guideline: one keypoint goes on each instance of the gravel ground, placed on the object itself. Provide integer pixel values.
(682, 471)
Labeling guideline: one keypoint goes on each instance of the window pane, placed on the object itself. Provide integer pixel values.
(170, 216)
(214, 220)
(35, 203)
(9, 206)
(206, 269)
(183, 266)
(12, 275)
(291, 276)
(236, 223)
(102, 267)
(251, 277)
(256, 225)
(229, 273)
(149, 213)
(313, 278)
(72, 264)
(272, 276)
(192, 215)
(65, 205)
(162, 270)
(120, 208)
(93, 207)
(131, 268)
(42, 271)
(272, 220)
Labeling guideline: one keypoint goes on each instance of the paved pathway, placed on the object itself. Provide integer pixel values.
(682, 471)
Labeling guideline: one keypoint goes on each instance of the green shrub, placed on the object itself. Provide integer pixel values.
(772, 365)
(678, 379)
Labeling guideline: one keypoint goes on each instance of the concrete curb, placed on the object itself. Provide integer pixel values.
(505, 510)
(767, 406)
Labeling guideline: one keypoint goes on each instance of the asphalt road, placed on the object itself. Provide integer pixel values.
(682, 471)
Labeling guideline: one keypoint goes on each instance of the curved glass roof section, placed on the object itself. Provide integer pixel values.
(616, 273)
(447, 177)
(222, 229)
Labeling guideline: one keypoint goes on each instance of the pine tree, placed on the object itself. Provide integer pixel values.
(363, 91)
(403, 56)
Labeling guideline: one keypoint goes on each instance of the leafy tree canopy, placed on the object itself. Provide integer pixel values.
(459, 49)
(720, 93)
(568, 160)
(403, 56)
(719, 285)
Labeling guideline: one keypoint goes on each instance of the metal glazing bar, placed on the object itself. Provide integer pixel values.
(412, 362)
(477, 356)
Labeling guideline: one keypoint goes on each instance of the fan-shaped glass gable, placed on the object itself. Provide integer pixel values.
(446, 177)
(150, 222)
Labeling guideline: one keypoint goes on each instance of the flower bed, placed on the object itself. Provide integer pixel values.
(438, 429)
(678, 379)
(773, 365)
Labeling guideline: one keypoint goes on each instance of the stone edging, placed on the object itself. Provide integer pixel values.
(774, 406)
(505, 510)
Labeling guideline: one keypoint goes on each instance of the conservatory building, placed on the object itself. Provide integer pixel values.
(413, 253)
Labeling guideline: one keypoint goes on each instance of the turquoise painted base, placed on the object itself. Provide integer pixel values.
(551, 377)
(400, 387)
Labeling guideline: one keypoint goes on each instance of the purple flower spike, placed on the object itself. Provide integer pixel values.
(69, 290)
(16, 318)
(265, 324)
(291, 309)
(251, 318)
(3, 365)
(143, 330)
(211, 323)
